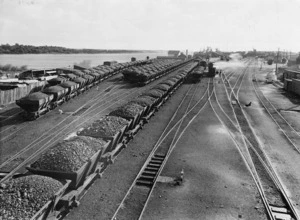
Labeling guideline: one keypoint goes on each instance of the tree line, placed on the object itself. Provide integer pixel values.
(29, 49)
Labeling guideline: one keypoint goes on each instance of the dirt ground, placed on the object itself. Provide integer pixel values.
(217, 184)
(103, 198)
(38, 132)
(285, 160)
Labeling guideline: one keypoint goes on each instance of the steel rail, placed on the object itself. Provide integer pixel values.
(267, 164)
(42, 136)
(18, 111)
(232, 88)
(252, 173)
(277, 115)
(169, 153)
(96, 98)
(50, 142)
(156, 146)
(44, 146)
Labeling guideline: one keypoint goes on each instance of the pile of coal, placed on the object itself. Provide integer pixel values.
(53, 89)
(22, 197)
(130, 109)
(66, 156)
(106, 126)
(155, 93)
(169, 82)
(162, 86)
(93, 143)
(179, 76)
(36, 96)
(144, 100)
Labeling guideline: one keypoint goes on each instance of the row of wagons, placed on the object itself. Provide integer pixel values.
(60, 176)
(147, 73)
(70, 83)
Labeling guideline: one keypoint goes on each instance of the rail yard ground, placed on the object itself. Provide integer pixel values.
(231, 145)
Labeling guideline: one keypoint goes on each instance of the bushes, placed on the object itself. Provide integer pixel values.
(11, 68)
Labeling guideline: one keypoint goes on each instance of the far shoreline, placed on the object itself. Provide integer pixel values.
(110, 52)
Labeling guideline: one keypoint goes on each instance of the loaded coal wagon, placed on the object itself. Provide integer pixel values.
(35, 104)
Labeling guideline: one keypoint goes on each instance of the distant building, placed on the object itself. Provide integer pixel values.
(173, 53)
(182, 56)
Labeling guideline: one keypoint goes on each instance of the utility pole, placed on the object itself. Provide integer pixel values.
(277, 62)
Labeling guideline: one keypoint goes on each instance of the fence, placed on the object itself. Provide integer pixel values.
(10, 96)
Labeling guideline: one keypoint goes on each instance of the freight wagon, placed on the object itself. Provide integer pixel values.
(69, 83)
(63, 177)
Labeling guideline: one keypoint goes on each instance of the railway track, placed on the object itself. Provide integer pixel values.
(88, 107)
(229, 75)
(10, 133)
(276, 201)
(287, 129)
(38, 146)
(237, 86)
(136, 198)
(33, 150)
(9, 114)
(4, 121)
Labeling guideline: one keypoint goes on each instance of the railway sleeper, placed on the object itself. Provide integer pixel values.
(149, 173)
(147, 178)
(153, 165)
(151, 169)
(72, 197)
(157, 160)
(144, 183)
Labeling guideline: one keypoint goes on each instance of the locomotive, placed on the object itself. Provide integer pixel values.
(203, 70)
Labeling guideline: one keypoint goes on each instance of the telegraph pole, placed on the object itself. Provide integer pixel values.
(277, 61)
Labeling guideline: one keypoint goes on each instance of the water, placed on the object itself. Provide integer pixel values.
(41, 61)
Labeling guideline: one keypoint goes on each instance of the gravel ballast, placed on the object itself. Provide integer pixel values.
(106, 126)
(22, 197)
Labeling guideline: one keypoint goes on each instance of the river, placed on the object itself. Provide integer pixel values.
(41, 61)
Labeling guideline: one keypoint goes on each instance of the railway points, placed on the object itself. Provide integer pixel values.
(184, 128)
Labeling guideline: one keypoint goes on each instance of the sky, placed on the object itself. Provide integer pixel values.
(228, 25)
